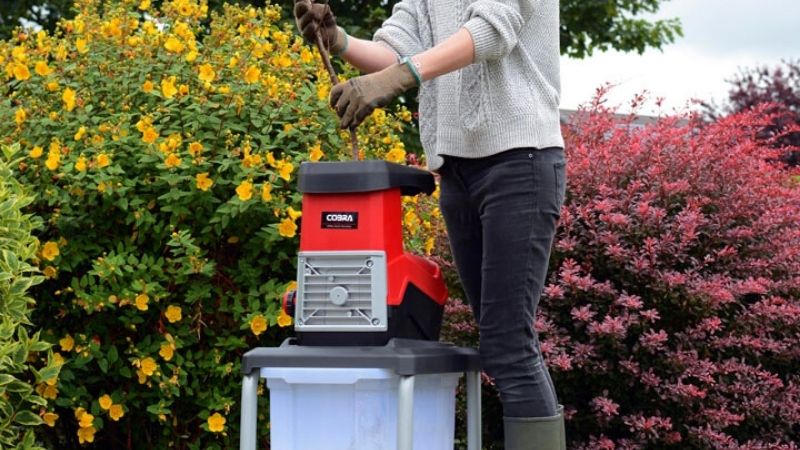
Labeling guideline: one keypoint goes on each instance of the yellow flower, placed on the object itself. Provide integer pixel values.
(86, 420)
(293, 214)
(168, 88)
(47, 391)
(80, 133)
(42, 69)
(173, 313)
(429, 245)
(183, 89)
(86, 435)
(20, 115)
(396, 154)
(69, 99)
(207, 73)
(52, 86)
(285, 169)
(411, 220)
(61, 52)
(258, 324)
(195, 148)
(105, 401)
(21, 72)
(52, 161)
(287, 228)
(149, 135)
(116, 412)
(216, 423)
(266, 192)
(167, 351)
(36, 152)
(284, 320)
(323, 91)
(191, 56)
(50, 250)
(284, 60)
(18, 53)
(147, 87)
(144, 5)
(141, 302)
(305, 55)
(316, 153)
(233, 62)
(80, 164)
(245, 191)
(203, 182)
(405, 115)
(149, 366)
(58, 359)
(50, 272)
(67, 343)
(81, 46)
(103, 160)
(252, 75)
(174, 45)
(50, 419)
(172, 161)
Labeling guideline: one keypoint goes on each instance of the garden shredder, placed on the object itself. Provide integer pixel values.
(367, 318)
(355, 284)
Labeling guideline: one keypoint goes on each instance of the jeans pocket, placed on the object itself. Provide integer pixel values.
(560, 169)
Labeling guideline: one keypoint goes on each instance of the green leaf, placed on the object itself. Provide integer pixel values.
(6, 379)
(112, 356)
(28, 418)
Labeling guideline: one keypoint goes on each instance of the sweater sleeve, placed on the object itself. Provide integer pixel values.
(400, 31)
(495, 26)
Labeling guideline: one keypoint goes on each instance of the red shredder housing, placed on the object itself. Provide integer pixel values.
(351, 209)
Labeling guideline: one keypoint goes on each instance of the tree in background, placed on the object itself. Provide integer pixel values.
(585, 26)
(780, 88)
(41, 12)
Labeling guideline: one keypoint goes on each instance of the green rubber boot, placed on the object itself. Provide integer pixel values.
(535, 433)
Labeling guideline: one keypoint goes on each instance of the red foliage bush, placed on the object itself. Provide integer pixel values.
(671, 319)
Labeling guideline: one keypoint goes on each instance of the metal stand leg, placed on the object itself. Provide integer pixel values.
(405, 414)
(474, 410)
(249, 416)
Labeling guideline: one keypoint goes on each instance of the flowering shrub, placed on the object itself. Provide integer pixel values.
(163, 147)
(20, 407)
(671, 318)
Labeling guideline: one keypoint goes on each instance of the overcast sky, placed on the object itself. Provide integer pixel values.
(720, 38)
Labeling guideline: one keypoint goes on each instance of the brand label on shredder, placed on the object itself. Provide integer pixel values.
(340, 219)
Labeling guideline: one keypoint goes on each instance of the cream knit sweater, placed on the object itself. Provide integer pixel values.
(508, 98)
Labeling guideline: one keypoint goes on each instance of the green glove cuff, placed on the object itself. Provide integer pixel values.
(340, 46)
(413, 68)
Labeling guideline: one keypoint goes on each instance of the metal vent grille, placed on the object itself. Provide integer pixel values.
(341, 291)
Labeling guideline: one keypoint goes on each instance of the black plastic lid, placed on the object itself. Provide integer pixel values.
(403, 356)
(363, 176)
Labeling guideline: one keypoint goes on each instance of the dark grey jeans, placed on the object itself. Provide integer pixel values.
(501, 214)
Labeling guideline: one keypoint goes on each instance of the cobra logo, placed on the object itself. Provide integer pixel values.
(339, 218)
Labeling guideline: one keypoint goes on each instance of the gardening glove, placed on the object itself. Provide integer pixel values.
(354, 100)
(311, 17)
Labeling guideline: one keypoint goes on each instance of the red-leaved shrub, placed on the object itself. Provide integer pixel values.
(671, 319)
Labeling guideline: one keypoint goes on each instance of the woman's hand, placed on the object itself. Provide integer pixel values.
(355, 99)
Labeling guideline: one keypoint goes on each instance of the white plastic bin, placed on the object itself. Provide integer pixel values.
(356, 409)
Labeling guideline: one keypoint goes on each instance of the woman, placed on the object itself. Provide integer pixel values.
(488, 72)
